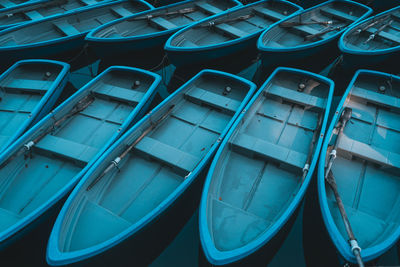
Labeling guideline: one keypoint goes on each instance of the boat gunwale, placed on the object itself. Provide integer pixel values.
(63, 38)
(55, 257)
(263, 48)
(345, 49)
(26, 137)
(340, 243)
(217, 257)
(169, 47)
(62, 77)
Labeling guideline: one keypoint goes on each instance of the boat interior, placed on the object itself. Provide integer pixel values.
(313, 25)
(21, 90)
(157, 165)
(260, 169)
(367, 166)
(31, 179)
(70, 25)
(41, 10)
(234, 25)
(382, 32)
(164, 19)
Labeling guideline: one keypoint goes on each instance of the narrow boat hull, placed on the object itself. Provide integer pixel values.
(15, 126)
(84, 126)
(226, 38)
(314, 31)
(170, 169)
(362, 159)
(368, 44)
(129, 35)
(261, 172)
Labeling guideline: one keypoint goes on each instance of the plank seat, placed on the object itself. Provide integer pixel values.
(297, 97)
(121, 11)
(109, 91)
(27, 85)
(162, 23)
(201, 96)
(88, 2)
(81, 153)
(231, 31)
(385, 35)
(338, 14)
(376, 98)
(6, 3)
(268, 13)
(170, 155)
(306, 30)
(253, 146)
(348, 147)
(208, 8)
(33, 15)
(66, 28)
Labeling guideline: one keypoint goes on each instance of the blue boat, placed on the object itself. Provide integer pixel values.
(362, 155)
(313, 31)
(35, 10)
(29, 89)
(150, 30)
(372, 41)
(43, 165)
(62, 35)
(148, 183)
(261, 172)
(227, 33)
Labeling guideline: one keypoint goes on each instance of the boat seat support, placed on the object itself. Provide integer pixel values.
(26, 85)
(268, 13)
(208, 8)
(376, 98)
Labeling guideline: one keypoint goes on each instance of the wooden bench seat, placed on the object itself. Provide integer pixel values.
(268, 13)
(172, 156)
(348, 147)
(338, 14)
(162, 23)
(376, 98)
(208, 8)
(121, 11)
(88, 2)
(297, 97)
(26, 85)
(306, 30)
(81, 153)
(201, 96)
(33, 15)
(231, 31)
(253, 146)
(66, 28)
(128, 96)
